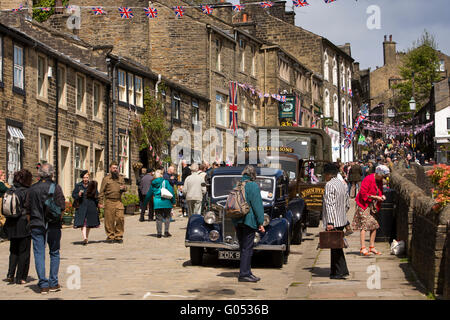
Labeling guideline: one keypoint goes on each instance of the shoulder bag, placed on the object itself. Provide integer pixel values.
(165, 193)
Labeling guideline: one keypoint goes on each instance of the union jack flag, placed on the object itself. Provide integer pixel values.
(126, 13)
(350, 92)
(238, 7)
(17, 9)
(328, 1)
(151, 12)
(207, 9)
(300, 3)
(46, 9)
(266, 4)
(98, 11)
(233, 106)
(179, 11)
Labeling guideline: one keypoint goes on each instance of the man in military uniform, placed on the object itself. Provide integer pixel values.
(113, 185)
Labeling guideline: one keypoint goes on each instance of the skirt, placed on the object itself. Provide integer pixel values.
(364, 221)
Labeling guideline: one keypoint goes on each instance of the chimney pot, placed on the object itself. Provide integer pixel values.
(390, 38)
(385, 38)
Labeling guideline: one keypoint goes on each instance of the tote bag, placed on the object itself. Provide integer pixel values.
(165, 193)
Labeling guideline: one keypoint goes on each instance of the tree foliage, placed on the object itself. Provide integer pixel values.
(422, 63)
(42, 16)
(150, 130)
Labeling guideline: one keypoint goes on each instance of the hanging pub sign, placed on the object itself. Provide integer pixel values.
(328, 122)
(287, 109)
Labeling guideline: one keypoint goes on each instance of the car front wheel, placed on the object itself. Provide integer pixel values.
(196, 255)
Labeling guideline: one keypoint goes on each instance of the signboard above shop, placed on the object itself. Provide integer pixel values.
(287, 109)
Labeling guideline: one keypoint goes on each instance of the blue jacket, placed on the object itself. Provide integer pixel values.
(155, 192)
(255, 217)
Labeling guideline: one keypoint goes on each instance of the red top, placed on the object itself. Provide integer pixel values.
(369, 188)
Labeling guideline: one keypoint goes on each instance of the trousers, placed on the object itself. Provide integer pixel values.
(194, 207)
(338, 264)
(162, 215)
(246, 237)
(19, 258)
(114, 220)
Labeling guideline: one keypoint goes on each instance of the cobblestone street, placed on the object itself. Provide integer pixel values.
(145, 267)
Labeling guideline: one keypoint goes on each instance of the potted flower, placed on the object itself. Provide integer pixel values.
(130, 201)
(440, 177)
(68, 213)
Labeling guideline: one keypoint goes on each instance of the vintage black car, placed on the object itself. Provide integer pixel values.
(214, 232)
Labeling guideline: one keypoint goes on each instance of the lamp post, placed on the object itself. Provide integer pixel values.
(412, 107)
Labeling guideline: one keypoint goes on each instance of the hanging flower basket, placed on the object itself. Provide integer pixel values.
(137, 166)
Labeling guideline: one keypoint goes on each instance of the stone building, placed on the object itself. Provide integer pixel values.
(53, 105)
(98, 129)
(332, 63)
(382, 94)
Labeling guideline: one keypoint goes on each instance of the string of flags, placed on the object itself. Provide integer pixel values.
(179, 11)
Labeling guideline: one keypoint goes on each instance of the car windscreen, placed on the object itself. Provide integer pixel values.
(222, 185)
(289, 166)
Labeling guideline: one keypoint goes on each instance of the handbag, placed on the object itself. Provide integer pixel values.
(165, 193)
(331, 239)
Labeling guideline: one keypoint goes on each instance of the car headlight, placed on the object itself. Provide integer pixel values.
(266, 220)
(210, 217)
(214, 235)
(257, 238)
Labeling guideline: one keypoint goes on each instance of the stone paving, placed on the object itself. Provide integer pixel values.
(145, 267)
(396, 279)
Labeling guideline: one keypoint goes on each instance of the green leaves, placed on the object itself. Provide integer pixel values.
(150, 130)
(421, 63)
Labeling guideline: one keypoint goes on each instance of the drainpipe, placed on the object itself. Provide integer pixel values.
(339, 108)
(114, 105)
(265, 77)
(56, 123)
(156, 87)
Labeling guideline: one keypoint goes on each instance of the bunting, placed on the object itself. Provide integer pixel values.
(126, 13)
(179, 11)
(151, 12)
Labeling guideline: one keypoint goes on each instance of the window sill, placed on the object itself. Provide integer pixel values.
(220, 73)
(221, 127)
(244, 73)
(42, 99)
(63, 107)
(81, 114)
(96, 119)
(19, 91)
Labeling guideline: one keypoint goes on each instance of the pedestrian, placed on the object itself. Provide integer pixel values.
(43, 230)
(113, 185)
(143, 172)
(18, 231)
(161, 205)
(86, 215)
(334, 213)
(171, 176)
(186, 171)
(4, 186)
(354, 178)
(368, 204)
(202, 171)
(145, 184)
(193, 190)
(248, 225)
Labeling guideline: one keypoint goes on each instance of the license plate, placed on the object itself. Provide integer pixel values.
(229, 255)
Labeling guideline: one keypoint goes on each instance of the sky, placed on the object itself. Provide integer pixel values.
(345, 21)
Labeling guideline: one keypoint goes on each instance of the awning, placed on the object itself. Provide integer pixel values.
(16, 133)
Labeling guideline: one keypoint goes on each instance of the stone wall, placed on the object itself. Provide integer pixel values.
(425, 233)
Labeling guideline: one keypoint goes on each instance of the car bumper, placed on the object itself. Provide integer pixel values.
(281, 247)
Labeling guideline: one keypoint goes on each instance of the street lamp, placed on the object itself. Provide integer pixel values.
(412, 107)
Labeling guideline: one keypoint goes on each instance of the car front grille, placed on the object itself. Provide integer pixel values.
(229, 231)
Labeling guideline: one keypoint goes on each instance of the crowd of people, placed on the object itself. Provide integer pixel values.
(160, 190)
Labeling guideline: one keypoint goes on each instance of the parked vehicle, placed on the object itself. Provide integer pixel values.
(214, 233)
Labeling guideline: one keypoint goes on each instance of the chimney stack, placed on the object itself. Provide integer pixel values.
(389, 51)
